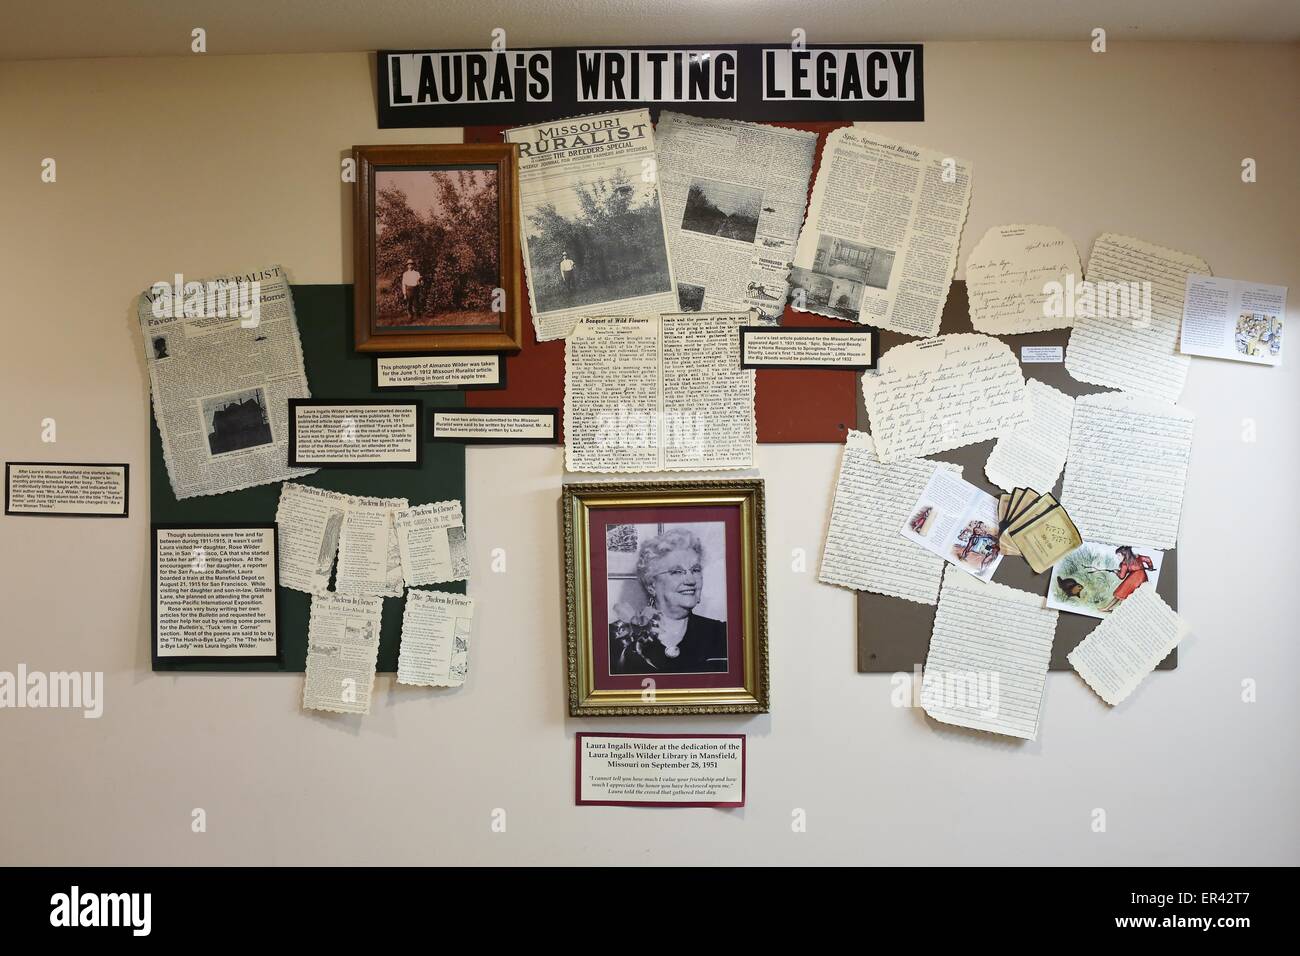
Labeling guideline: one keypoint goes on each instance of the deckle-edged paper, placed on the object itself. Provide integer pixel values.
(988, 658)
(943, 393)
(658, 393)
(1123, 649)
(864, 550)
(370, 560)
(1233, 319)
(427, 538)
(734, 195)
(1032, 454)
(224, 358)
(1127, 317)
(1126, 468)
(312, 523)
(435, 639)
(342, 652)
(591, 226)
(1008, 276)
(879, 245)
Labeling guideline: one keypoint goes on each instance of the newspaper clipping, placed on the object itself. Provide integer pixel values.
(435, 639)
(733, 197)
(224, 357)
(655, 393)
(592, 230)
(431, 542)
(880, 243)
(370, 560)
(342, 653)
(316, 525)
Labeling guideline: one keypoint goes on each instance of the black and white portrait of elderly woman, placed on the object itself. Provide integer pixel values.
(661, 631)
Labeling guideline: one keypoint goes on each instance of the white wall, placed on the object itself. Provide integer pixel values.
(1145, 140)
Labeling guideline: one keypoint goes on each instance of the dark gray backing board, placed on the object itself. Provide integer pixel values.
(894, 634)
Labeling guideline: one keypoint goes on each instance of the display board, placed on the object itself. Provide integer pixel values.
(894, 634)
(790, 405)
(334, 370)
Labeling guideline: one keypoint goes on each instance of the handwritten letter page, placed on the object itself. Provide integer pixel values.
(988, 657)
(943, 393)
(1123, 649)
(1006, 276)
(1126, 328)
(1032, 454)
(864, 550)
(1126, 468)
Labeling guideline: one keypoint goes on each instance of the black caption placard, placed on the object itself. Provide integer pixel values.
(834, 81)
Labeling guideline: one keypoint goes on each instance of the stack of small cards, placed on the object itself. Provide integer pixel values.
(1035, 527)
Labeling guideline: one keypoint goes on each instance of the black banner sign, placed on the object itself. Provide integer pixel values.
(881, 82)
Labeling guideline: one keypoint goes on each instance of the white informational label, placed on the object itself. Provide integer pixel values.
(1042, 353)
(661, 770)
(361, 433)
(807, 348)
(70, 489)
(438, 371)
(214, 592)
(494, 425)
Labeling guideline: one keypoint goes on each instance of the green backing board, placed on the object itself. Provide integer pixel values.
(334, 370)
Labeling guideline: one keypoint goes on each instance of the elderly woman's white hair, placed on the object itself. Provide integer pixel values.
(674, 539)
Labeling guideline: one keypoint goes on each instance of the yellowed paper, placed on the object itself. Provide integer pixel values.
(658, 393)
(1007, 278)
(1047, 538)
(1124, 648)
(1036, 507)
(1128, 317)
(879, 245)
(943, 393)
(1005, 544)
(1033, 453)
(988, 657)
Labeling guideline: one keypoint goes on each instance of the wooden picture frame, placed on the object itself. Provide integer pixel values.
(432, 302)
(694, 553)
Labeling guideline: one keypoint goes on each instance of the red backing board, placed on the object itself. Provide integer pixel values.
(790, 405)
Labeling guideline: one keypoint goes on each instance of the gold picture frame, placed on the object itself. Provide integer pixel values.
(596, 686)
